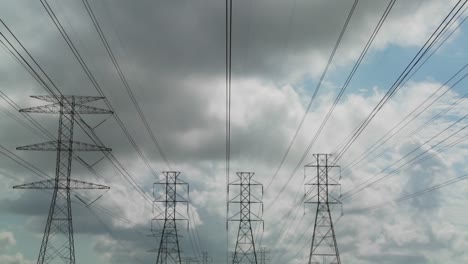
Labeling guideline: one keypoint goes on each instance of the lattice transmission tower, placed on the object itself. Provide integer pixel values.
(169, 250)
(57, 243)
(321, 189)
(264, 255)
(206, 259)
(245, 197)
(191, 260)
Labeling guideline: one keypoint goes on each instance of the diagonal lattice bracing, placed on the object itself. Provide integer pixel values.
(169, 250)
(245, 251)
(323, 249)
(57, 245)
(54, 146)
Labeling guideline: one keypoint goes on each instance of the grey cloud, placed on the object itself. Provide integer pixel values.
(397, 258)
(173, 55)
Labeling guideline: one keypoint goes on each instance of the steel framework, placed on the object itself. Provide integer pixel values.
(169, 250)
(245, 251)
(264, 255)
(190, 260)
(206, 258)
(57, 243)
(323, 249)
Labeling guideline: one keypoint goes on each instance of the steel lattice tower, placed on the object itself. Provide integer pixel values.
(206, 258)
(190, 260)
(264, 255)
(324, 249)
(169, 251)
(57, 243)
(245, 245)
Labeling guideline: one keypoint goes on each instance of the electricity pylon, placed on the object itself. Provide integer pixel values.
(264, 255)
(57, 243)
(206, 259)
(324, 249)
(190, 260)
(245, 245)
(169, 250)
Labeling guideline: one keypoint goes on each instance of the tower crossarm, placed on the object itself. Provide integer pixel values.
(245, 250)
(57, 242)
(324, 248)
(62, 184)
(67, 98)
(55, 109)
(54, 146)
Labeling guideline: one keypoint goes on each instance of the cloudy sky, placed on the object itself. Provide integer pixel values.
(172, 54)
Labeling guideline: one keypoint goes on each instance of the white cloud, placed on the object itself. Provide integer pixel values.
(7, 239)
(18, 258)
(179, 83)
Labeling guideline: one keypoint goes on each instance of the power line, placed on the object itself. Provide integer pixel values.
(45, 176)
(84, 126)
(392, 133)
(421, 127)
(45, 134)
(397, 84)
(103, 38)
(409, 196)
(24, 163)
(364, 185)
(348, 80)
(317, 88)
(396, 129)
(94, 82)
(228, 50)
(191, 217)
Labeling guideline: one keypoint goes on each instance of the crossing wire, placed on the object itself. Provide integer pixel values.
(356, 131)
(49, 136)
(317, 88)
(409, 196)
(431, 120)
(36, 75)
(129, 90)
(89, 132)
(364, 185)
(348, 80)
(309, 241)
(94, 82)
(228, 57)
(127, 86)
(23, 163)
(406, 72)
(45, 176)
(393, 131)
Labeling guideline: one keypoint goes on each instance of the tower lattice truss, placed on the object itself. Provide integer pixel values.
(323, 191)
(57, 243)
(246, 199)
(169, 187)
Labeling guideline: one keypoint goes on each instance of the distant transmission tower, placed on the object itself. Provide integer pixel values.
(245, 252)
(191, 260)
(169, 251)
(206, 258)
(324, 249)
(264, 255)
(57, 243)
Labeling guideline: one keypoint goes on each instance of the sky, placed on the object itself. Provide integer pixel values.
(172, 54)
